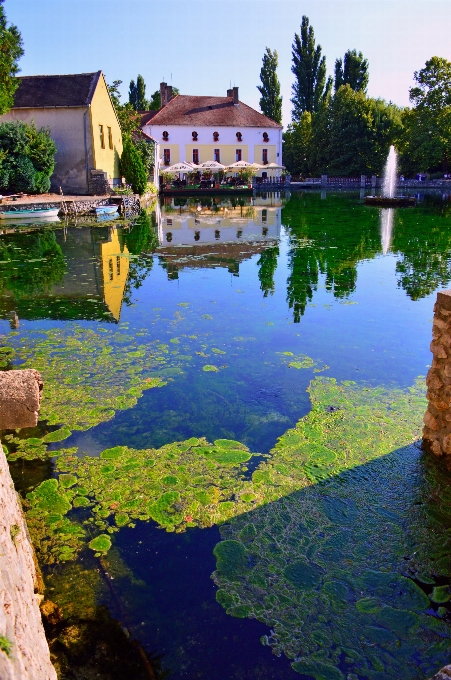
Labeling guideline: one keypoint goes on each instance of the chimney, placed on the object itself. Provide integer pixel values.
(230, 93)
(235, 96)
(163, 99)
(168, 93)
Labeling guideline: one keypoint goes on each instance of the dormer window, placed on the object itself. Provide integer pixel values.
(215, 136)
(165, 136)
(265, 137)
(194, 134)
(239, 136)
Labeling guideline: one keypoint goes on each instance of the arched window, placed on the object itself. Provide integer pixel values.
(215, 136)
(265, 137)
(239, 136)
(165, 135)
(194, 134)
(169, 237)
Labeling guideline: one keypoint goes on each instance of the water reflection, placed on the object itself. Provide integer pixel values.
(387, 217)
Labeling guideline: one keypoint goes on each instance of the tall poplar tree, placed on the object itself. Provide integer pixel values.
(353, 70)
(271, 100)
(11, 49)
(311, 86)
(137, 94)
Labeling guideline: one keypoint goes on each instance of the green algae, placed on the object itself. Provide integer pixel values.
(339, 589)
(101, 543)
(209, 368)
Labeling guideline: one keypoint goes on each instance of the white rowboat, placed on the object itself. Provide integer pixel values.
(18, 213)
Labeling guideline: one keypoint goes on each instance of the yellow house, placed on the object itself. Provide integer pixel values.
(83, 123)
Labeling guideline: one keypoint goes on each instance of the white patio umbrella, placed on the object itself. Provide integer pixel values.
(214, 166)
(178, 167)
(273, 166)
(241, 165)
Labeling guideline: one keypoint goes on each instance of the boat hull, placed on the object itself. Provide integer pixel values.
(106, 209)
(28, 214)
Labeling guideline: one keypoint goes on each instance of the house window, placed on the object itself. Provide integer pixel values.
(265, 156)
(110, 138)
(265, 137)
(194, 134)
(110, 268)
(102, 137)
(196, 156)
(217, 234)
(118, 265)
(196, 235)
(216, 136)
(169, 237)
(165, 136)
(264, 215)
(217, 155)
(239, 136)
(169, 221)
(167, 156)
(238, 155)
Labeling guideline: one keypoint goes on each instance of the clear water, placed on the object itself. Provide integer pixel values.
(320, 275)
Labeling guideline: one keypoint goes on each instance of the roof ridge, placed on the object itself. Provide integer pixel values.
(60, 75)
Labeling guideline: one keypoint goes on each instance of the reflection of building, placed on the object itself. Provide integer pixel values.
(93, 285)
(199, 129)
(218, 235)
(83, 123)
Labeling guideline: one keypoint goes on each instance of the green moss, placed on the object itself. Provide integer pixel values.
(440, 594)
(66, 481)
(6, 646)
(101, 543)
(209, 368)
(231, 558)
(57, 435)
(47, 497)
(318, 670)
(229, 444)
(302, 575)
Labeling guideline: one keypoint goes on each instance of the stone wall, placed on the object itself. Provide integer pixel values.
(24, 654)
(437, 420)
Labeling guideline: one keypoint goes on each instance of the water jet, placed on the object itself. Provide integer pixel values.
(388, 198)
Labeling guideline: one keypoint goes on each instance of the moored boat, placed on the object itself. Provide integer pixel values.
(390, 202)
(28, 213)
(106, 209)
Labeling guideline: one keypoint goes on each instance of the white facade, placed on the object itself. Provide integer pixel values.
(180, 143)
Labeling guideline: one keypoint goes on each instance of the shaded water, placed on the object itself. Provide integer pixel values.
(240, 307)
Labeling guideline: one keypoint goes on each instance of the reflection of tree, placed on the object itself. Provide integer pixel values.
(267, 264)
(423, 241)
(141, 240)
(31, 263)
(327, 238)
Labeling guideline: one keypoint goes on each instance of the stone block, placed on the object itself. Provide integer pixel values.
(20, 398)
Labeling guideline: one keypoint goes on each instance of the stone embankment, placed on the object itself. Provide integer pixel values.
(437, 420)
(24, 653)
(443, 674)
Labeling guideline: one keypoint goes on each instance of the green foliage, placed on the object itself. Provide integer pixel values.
(267, 264)
(129, 119)
(137, 94)
(297, 148)
(310, 87)
(271, 100)
(133, 167)
(146, 149)
(27, 160)
(352, 71)
(5, 644)
(426, 143)
(11, 49)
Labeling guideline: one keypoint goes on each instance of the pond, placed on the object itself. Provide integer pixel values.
(227, 469)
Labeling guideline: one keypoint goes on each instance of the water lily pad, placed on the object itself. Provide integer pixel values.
(101, 543)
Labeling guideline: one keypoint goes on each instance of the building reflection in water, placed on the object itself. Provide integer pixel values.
(216, 232)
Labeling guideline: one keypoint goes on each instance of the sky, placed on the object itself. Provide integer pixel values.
(204, 46)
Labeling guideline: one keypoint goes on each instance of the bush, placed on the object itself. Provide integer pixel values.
(133, 167)
(27, 157)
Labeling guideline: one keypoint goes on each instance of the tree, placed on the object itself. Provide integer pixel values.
(310, 87)
(155, 99)
(137, 94)
(353, 70)
(426, 143)
(27, 157)
(133, 167)
(267, 264)
(270, 101)
(297, 145)
(129, 119)
(10, 52)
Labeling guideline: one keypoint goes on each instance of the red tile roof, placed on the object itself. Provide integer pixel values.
(213, 111)
(49, 91)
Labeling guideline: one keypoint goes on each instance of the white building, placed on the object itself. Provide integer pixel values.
(199, 129)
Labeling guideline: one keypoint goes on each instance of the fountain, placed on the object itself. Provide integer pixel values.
(387, 216)
(389, 197)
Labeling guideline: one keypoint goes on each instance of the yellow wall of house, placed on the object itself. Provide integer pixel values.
(258, 156)
(175, 155)
(115, 266)
(102, 113)
(227, 152)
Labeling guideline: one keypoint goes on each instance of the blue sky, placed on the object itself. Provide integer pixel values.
(208, 44)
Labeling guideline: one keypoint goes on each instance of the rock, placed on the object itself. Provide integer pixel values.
(433, 381)
(438, 351)
(446, 444)
(20, 619)
(430, 421)
(20, 397)
(443, 674)
(440, 323)
(51, 613)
